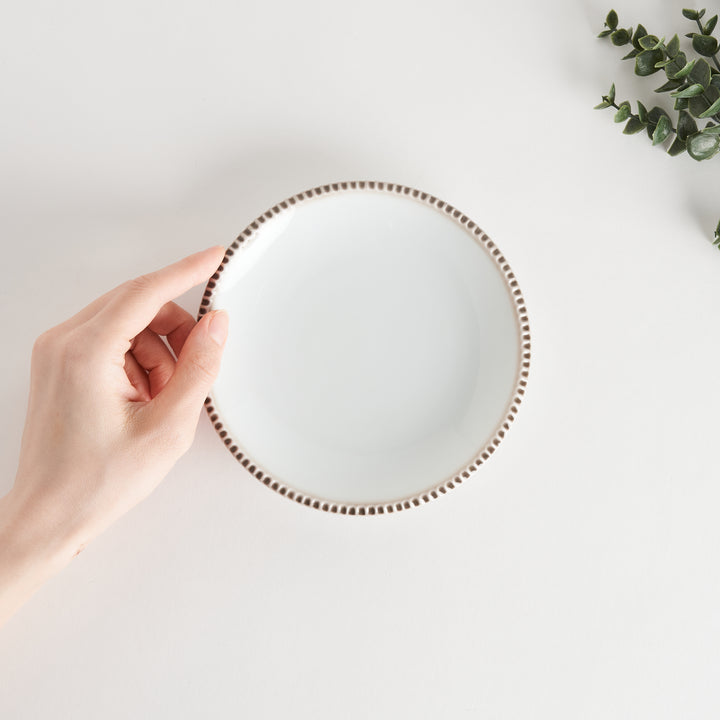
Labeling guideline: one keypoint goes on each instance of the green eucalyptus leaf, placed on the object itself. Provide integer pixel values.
(646, 60)
(649, 42)
(642, 112)
(673, 47)
(698, 105)
(604, 104)
(633, 126)
(655, 113)
(611, 94)
(604, 33)
(623, 112)
(677, 147)
(700, 73)
(681, 103)
(653, 116)
(705, 45)
(640, 32)
(715, 81)
(662, 130)
(685, 71)
(690, 91)
(702, 146)
(701, 13)
(709, 26)
(669, 85)
(620, 37)
(686, 125)
(612, 20)
(689, 14)
(714, 109)
(633, 53)
(712, 130)
(676, 65)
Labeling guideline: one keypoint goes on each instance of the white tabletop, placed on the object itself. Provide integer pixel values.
(575, 575)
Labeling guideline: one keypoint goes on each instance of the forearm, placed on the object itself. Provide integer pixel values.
(111, 409)
(32, 549)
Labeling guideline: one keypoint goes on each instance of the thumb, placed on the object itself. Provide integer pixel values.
(197, 366)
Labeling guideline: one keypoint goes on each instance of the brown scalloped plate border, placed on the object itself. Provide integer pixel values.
(484, 453)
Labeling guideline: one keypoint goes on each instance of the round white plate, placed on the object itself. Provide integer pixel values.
(378, 347)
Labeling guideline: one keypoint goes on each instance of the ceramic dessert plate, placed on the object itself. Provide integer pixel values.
(378, 347)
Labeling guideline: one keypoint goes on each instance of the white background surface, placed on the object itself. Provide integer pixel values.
(576, 575)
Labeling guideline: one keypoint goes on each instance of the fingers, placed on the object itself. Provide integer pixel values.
(138, 379)
(154, 356)
(195, 371)
(151, 354)
(175, 323)
(137, 302)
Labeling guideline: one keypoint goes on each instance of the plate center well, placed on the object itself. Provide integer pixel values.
(373, 347)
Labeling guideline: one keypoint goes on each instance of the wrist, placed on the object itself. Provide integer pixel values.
(31, 552)
(30, 534)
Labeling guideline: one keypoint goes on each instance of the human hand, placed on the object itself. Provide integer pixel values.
(110, 412)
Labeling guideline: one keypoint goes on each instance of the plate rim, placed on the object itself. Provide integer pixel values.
(523, 328)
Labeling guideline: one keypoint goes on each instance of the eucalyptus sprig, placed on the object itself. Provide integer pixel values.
(694, 84)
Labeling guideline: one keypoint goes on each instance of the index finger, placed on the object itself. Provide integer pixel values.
(138, 301)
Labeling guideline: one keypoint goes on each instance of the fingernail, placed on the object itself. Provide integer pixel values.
(218, 329)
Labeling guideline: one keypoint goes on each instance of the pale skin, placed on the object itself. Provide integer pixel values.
(111, 410)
